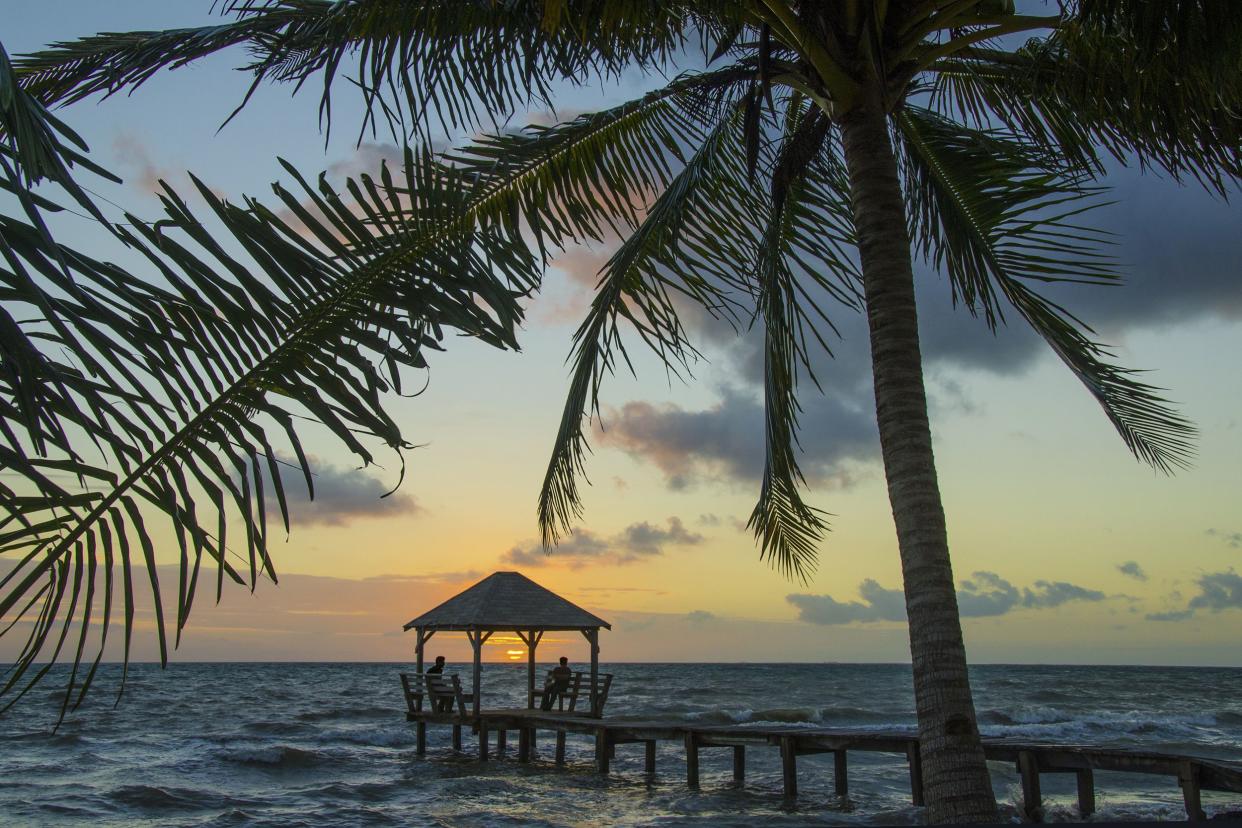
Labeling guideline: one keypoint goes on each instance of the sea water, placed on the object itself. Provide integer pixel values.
(328, 744)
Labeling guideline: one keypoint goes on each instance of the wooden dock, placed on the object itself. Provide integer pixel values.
(1032, 760)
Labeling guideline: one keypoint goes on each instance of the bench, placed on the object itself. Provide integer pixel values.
(437, 688)
(579, 687)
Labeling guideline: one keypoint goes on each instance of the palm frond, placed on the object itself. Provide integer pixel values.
(467, 64)
(999, 217)
(787, 528)
(709, 220)
(656, 258)
(1095, 87)
(199, 366)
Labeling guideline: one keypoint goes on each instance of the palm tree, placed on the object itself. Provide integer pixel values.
(838, 140)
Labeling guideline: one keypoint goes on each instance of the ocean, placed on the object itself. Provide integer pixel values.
(328, 744)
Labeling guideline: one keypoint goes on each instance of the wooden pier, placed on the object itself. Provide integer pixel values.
(1031, 759)
(509, 601)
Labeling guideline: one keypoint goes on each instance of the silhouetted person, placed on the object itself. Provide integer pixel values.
(557, 684)
(439, 704)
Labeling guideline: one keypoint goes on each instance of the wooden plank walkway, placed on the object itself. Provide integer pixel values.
(1193, 774)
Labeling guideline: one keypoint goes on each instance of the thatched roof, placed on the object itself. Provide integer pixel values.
(507, 601)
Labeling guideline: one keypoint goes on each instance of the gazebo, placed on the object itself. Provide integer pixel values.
(509, 602)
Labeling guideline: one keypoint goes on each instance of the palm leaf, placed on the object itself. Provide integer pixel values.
(657, 257)
(1097, 85)
(460, 65)
(998, 218)
(195, 373)
(807, 227)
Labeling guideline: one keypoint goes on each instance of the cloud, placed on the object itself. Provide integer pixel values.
(636, 542)
(709, 519)
(726, 440)
(580, 265)
(303, 618)
(1056, 593)
(581, 546)
(1179, 264)
(610, 589)
(985, 594)
(430, 578)
(552, 117)
(1217, 591)
(1174, 615)
(1232, 539)
(878, 604)
(341, 496)
(700, 616)
(647, 539)
(1131, 569)
(369, 156)
(133, 153)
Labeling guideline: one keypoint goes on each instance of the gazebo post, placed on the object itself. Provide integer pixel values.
(477, 638)
(531, 640)
(592, 636)
(420, 739)
(476, 641)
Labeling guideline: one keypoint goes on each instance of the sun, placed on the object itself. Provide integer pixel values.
(515, 655)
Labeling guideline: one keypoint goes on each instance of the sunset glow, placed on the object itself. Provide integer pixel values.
(1064, 548)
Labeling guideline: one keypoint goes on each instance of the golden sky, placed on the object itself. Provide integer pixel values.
(1068, 549)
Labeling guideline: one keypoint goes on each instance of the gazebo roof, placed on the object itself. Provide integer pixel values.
(507, 601)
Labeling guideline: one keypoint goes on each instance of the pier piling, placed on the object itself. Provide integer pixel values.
(602, 753)
(840, 774)
(789, 765)
(1188, 778)
(524, 745)
(692, 760)
(1032, 797)
(1086, 792)
(916, 774)
(739, 763)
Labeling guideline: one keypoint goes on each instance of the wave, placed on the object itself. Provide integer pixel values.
(829, 716)
(152, 797)
(235, 816)
(864, 715)
(400, 737)
(1053, 724)
(278, 728)
(275, 756)
(719, 716)
(336, 713)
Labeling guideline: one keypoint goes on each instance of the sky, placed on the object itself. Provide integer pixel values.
(1065, 549)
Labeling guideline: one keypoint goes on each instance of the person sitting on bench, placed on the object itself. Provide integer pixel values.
(442, 703)
(557, 684)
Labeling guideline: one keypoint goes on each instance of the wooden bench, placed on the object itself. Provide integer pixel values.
(437, 688)
(579, 687)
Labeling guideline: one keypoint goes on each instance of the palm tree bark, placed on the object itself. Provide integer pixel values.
(955, 776)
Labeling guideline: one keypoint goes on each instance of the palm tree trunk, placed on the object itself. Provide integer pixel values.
(955, 776)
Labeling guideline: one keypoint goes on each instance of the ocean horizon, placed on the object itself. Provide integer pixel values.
(315, 743)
